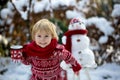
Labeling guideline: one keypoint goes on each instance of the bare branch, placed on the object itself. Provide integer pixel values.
(15, 7)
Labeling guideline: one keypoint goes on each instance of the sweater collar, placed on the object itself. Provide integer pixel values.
(34, 50)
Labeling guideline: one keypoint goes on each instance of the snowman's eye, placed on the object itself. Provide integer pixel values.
(72, 25)
(79, 52)
(80, 23)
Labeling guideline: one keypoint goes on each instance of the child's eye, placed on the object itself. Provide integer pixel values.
(39, 35)
(46, 36)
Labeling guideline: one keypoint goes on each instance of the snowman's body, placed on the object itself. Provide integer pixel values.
(77, 42)
(80, 45)
(81, 51)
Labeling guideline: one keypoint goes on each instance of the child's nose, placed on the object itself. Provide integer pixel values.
(43, 39)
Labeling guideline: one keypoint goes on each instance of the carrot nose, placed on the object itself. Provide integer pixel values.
(77, 26)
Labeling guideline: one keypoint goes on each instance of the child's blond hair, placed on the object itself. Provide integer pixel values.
(44, 25)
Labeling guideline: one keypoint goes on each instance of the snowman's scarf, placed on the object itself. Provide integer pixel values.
(69, 33)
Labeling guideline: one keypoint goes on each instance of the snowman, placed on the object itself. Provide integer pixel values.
(77, 42)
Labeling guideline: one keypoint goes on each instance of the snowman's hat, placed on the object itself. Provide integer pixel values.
(77, 20)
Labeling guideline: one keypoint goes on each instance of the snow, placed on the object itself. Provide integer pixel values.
(103, 39)
(69, 14)
(20, 3)
(4, 13)
(19, 71)
(103, 25)
(39, 7)
(98, 22)
(116, 10)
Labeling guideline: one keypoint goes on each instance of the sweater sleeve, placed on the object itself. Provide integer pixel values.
(69, 59)
(25, 59)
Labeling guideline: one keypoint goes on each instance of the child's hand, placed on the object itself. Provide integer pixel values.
(76, 76)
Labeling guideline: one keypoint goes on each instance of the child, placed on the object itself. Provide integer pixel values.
(44, 54)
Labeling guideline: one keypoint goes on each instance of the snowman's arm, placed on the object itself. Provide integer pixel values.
(65, 66)
(64, 40)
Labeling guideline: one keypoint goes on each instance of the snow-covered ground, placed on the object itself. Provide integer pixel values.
(18, 71)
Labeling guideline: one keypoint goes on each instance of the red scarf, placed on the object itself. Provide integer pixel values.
(69, 33)
(34, 50)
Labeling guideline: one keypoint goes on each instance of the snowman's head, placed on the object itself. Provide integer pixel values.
(76, 24)
(80, 42)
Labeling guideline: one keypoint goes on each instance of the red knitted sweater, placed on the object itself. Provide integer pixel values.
(46, 62)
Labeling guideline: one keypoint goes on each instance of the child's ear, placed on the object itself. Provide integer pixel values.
(33, 38)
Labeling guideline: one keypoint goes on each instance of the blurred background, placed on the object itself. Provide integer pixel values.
(102, 19)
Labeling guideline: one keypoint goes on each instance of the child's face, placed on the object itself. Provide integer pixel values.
(42, 39)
